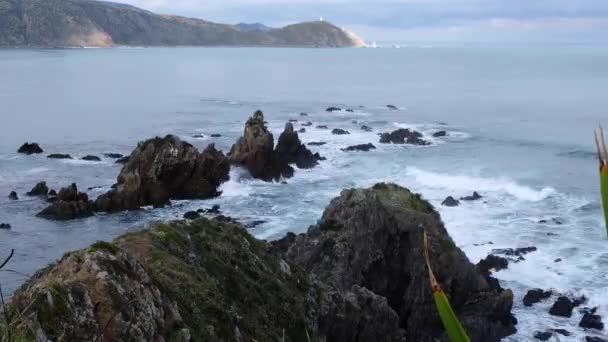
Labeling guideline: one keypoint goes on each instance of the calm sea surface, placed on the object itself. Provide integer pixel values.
(519, 122)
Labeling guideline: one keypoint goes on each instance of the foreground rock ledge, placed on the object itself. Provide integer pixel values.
(358, 275)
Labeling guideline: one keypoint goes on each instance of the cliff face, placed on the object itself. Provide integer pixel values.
(358, 275)
(65, 23)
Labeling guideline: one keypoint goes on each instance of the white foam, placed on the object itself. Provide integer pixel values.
(36, 170)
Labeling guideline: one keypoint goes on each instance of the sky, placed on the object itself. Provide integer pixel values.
(417, 21)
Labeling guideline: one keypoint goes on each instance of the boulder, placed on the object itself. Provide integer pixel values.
(366, 128)
(91, 158)
(52, 193)
(322, 127)
(113, 155)
(290, 150)
(339, 131)
(543, 335)
(302, 130)
(69, 204)
(591, 321)
(333, 109)
(372, 238)
(562, 307)
(59, 156)
(166, 168)
(192, 215)
(28, 148)
(39, 189)
(123, 160)
(317, 143)
(536, 295)
(403, 136)
(303, 114)
(307, 124)
(293, 120)
(450, 202)
(515, 254)
(13, 196)
(440, 134)
(215, 135)
(362, 147)
(474, 197)
(492, 262)
(5, 226)
(350, 110)
(392, 107)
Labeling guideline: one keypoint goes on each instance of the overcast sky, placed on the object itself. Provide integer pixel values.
(508, 21)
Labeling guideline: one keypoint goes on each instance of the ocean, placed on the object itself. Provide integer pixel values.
(520, 124)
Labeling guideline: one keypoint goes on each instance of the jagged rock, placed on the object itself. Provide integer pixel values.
(591, 321)
(302, 130)
(366, 128)
(192, 215)
(307, 124)
(373, 238)
(317, 143)
(516, 254)
(166, 168)
(440, 134)
(492, 262)
(52, 193)
(450, 202)
(333, 109)
(358, 276)
(564, 306)
(543, 335)
(13, 196)
(123, 160)
(473, 197)
(113, 155)
(69, 204)
(91, 158)
(536, 295)
(5, 226)
(198, 136)
(39, 189)
(28, 148)
(339, 131)
(215, 135)
(392, 107)
(403, 136)
(362, 147)
(322, 127)
(290, 150)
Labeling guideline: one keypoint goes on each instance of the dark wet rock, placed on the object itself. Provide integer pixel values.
(123, 160)
(473, 197)
(216, 135)
(213, 210)
(516, 254)
(192, 215)
(362, 147)
(403, 136)
(366, 128)
(333, 109)
(91, 158)
(339, 131)
(69, 204)
(372, 238)
(113, 155)
(535, 296)
(557, 260)
(290, 150)
(28, 148)
(39, 189)
(563, 307)
(554, 220)
(225, 219)
(350, 110)
(254, 224)
(303, 114)
(166, 168)
(492, 262)
(317, 143)
(322, 127)
(94, 188)
(591, 321)
(13, 196)
(563, 332)
(594, 339)
(543, 335)
(302, 130)
(450, 202)
(198, 135)
(392, 107)
(586, 310)
(52, 192)
(440, 134)
(5, 226)
(51, 199)
(293, 120)
(307, 124)
(59, 156)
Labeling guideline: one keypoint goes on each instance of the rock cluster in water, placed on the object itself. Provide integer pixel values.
(358, 275)
(403, 136)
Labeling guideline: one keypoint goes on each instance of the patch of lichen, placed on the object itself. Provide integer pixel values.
(397, 194)
(53, 310)
(221, 277)
(104, 246)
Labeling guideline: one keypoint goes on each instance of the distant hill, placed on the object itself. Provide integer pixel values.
(244, 27)
(75, 23)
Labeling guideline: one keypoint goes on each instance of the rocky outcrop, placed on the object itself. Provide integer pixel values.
(28, 148)
(166, 168)
(535, 296)
(255, 151)
(440, 134)
(357, 276)
(59, 156)
(403, 136)
(113, 155)
(13, 196)
(5, 226)
(339, 131)
(91, 158)
(69, 204)
(361, 147)
(40, 189)
(563, 306)
(450, 202)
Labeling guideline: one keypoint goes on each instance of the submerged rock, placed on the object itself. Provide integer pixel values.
(403, 136)
(362, 147)
(307, 124)
(216, 135)
(366, 128)
(59, 156)
(39, 189)
(192, 215)
(13, 196)
(339, 131)
(166, 168)
(317, 143)
(91, 158)
(475, 197)
(450, 202)
(392, 107)
(333, 109)
(28, 148)
(303, 114)
(440, 134)
(535, 296)
(591, 321)
(358, 276)
(564, 306)
(123, 160)
(69, 204)
(5, 226)
(322, 127)
(113, 155)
